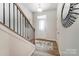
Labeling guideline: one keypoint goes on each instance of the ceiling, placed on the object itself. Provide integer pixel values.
(45, 6)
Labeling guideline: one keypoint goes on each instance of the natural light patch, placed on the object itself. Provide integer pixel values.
(41, 20)
(41, 17)
(41, 25)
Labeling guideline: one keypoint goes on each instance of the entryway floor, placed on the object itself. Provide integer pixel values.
(40, 52)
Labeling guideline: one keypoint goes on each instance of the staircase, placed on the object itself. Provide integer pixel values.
(16, 32)
(55, 50)
(42, 50)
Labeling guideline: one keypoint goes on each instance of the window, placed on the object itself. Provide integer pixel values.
(41, 17)
(41, 20)
(41, 25)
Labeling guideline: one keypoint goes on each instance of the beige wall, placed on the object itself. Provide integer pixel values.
(50, 25)
(12, 44)
(68, 38)
(4, 43)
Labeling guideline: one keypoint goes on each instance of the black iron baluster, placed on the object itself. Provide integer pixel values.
(3, 13)
(25, 27)
(9, 15)
(17, 19)
(13, 16)
(22, 26)
(20, 22)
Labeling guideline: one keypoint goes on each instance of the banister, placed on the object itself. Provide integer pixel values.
(18, 21)
(23, 14)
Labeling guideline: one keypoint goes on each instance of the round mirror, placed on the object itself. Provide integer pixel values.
(69, 14)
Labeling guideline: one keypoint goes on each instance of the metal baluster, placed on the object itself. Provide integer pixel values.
(22, 26)
(9, 15)
(25, 27)
(13, 16)
(3, 13)
(20, 23)
(17, 19)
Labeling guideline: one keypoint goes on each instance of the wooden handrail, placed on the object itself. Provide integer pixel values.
(16, 27)
(24, 15)
(44, 40)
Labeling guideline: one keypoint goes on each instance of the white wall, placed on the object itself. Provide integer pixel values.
(13, 44)
(68, 38)
(50, 25)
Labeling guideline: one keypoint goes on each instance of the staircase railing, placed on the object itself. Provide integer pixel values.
(13, 18)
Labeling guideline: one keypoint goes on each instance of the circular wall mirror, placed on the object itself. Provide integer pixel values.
(69, 14)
